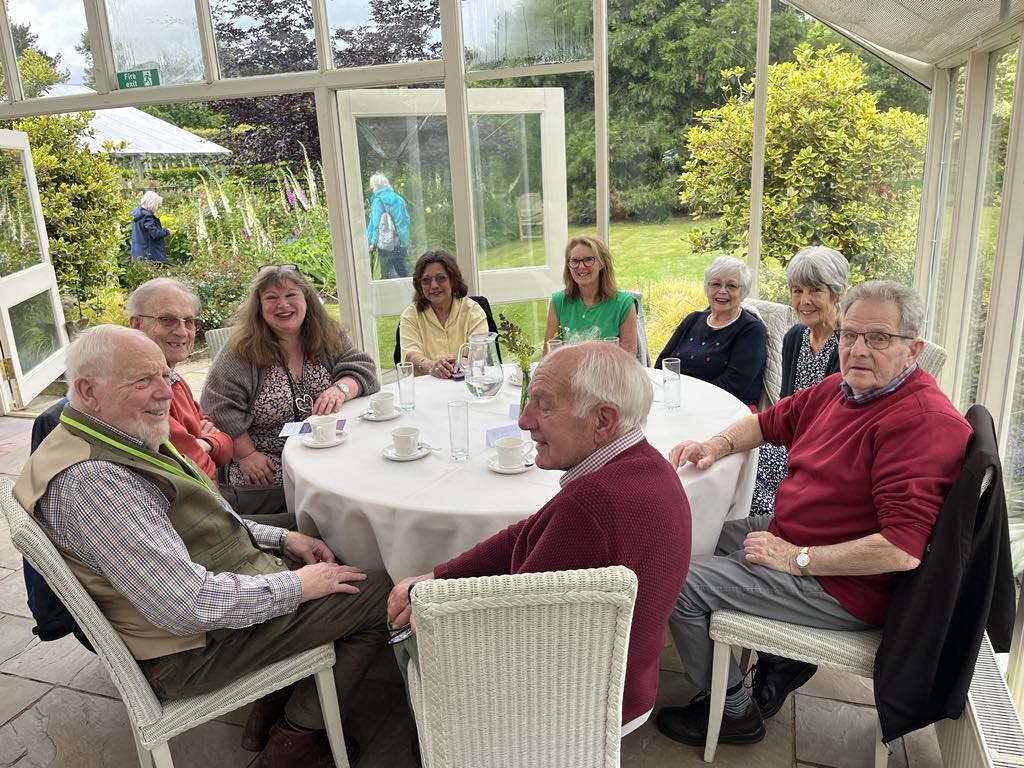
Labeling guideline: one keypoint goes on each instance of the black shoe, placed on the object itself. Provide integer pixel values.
(689, 724)
(775, 678)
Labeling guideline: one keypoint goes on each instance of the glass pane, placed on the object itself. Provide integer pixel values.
(384, 33)
(3, 90)
(411, 153)
(949, 187)
(999, 103)
(387, 327)
(263, 39)
(19, 246)
(506, 164)
(528, 315)
(517, 33)
(844, 156)
(156, 34)
(52, 35)
(35, 331)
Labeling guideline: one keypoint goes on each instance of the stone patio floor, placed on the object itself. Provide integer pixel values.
(58, 707)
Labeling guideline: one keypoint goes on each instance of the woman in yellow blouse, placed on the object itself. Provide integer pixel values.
(441, 317)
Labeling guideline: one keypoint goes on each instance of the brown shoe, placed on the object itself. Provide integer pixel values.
(265, 712)
(288, 747)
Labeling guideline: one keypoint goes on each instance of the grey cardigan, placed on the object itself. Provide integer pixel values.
(232, 384)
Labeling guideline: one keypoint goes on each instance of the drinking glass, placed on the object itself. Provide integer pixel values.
(611, 339)
(406, 387)
(458, 429)
(673, 383)
(554, 344)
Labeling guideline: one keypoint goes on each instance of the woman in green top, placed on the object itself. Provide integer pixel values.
(591, 306)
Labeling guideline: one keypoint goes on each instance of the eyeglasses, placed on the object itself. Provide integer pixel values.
(265, 267)
(715, 285)
(170, 322)
(873, 339)
(426, 280)
(586, 261)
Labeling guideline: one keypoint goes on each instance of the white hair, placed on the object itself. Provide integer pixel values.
(91, 353)
(139, 299)
(907, 302)
(722, 267)
(606, 373)
(379, 181)
(151, 201)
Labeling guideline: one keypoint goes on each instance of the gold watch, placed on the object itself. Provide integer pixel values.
(803, 560)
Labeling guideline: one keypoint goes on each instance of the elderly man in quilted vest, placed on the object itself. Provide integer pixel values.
(620, 503)
(873, 451)
(199, 596)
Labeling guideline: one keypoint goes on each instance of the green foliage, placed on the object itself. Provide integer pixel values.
(80, 192)
(837, 169)
(107, 306)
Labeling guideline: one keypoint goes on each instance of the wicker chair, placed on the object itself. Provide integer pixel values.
(932, 358)
(216, 338)
(524, 670)
(777, 319)
(154, 721)
(643, 351)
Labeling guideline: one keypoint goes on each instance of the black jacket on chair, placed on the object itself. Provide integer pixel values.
(939, 611)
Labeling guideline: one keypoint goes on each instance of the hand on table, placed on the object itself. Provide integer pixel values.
(306, 549)
(767, 549)
(256, 468)
(328, 401)
(399, 604)
(691, 451)
(443, 368)
(320, 579)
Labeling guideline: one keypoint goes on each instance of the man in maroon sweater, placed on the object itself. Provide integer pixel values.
(165, 310)
(872, 453)
(621, 503)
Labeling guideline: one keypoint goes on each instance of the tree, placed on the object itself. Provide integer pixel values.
(270, 36)
(837, 169)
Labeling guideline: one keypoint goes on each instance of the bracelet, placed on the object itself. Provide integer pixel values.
(728, 441)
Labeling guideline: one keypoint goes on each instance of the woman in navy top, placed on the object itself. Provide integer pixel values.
(724, 345)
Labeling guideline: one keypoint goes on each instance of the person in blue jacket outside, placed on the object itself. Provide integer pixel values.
(148, 234)
(392, 259)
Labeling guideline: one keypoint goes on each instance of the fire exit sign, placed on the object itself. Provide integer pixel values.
(138, 78)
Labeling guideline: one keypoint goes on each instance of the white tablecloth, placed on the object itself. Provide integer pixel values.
(408, 517)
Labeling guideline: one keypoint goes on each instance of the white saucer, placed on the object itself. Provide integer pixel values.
(339, 438)
(369, 416)
(421, 451)
(492, 464)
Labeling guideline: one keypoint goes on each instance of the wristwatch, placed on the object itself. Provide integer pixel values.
(345, 388)
(803, 559)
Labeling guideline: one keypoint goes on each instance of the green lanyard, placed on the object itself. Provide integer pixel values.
(192, 474)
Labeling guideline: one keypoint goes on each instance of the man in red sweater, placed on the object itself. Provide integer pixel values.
(872, 453)
(621, 503)
(165, 310)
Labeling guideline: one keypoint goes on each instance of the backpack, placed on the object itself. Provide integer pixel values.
(387, 235)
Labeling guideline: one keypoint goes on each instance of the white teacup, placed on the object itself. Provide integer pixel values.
(382, 404)
(324, 428)
(512, 451)
(406, 440)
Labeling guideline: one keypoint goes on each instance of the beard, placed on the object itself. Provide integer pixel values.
(153, 436)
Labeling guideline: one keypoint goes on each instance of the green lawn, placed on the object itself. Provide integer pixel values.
(644, 253)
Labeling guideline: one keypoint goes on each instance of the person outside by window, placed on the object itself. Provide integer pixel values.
(148, 234)
(391, 242)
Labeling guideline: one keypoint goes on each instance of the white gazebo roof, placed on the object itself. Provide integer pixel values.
(143, 133)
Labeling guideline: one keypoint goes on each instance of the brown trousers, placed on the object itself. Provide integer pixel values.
(356, 624)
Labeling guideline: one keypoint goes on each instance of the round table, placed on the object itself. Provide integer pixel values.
(409, 516)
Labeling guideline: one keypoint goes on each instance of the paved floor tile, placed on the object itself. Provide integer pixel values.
(842, 686)
(15, 636)
(10, 558)
(838, 734)
(923, 748)
(94, 678)
(13, 599)
(18, 693)
(55, 662)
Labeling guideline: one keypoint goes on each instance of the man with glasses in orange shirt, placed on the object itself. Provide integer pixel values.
(165, 310)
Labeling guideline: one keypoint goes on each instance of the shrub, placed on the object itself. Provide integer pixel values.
(666, 304)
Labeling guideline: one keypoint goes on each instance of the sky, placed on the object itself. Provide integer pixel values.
(59, 25)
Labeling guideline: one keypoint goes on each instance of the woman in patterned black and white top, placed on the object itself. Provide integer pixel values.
(818, 278)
